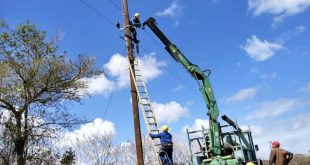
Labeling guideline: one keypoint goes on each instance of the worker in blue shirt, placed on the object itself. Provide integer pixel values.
(166, 150)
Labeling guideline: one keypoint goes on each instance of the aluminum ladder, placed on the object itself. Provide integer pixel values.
(146, 108)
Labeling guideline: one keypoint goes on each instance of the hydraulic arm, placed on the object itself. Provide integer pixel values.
(214, 146)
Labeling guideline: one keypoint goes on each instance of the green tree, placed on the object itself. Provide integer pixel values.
(68, 158)
(36, 80)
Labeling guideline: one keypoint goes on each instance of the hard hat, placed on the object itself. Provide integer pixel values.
(250, 163)
(165, 128)
(137, 15)
(275, 144)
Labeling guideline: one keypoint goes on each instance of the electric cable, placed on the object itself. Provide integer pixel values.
(113, 90)
(173, 74)
(111, 94)
(97, 12)
(157, 43)
(115, 5)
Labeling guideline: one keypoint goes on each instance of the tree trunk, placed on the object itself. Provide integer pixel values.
(19, 141)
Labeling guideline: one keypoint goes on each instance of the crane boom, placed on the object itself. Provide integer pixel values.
(214, 147)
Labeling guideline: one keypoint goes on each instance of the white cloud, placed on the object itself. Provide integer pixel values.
(99, 85)
(4, 115)
(306, 88)
(254, 70)
(242, 95)
(117, 73)
(300, 29)
(178, 88)
(265, 76)
(280, 8)
(260, 50)
(292, 132)
(268, 76)
(199, 123)
(97, 127)
(291, 33)
(151, 67)
(118, 67)
(169, 112)
(173, 11)
(275, 108)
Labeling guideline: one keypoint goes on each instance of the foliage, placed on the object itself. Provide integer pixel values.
(68, 158)
(35, 83)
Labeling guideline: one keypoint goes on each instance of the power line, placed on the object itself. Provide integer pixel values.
(113, 90)
(172, 73)
(110, 96)
(97, 12)
(115, 5)
(157, 43)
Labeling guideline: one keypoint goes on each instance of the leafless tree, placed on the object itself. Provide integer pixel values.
(96, 149)
(7, 153)
(181, 154)
(125, 153)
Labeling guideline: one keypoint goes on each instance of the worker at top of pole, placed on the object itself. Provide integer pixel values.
(134, 24)
(166, 149)
(279, 156)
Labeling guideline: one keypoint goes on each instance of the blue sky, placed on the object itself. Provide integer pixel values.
(258, 52)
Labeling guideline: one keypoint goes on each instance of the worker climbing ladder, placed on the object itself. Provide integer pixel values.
(146, 107)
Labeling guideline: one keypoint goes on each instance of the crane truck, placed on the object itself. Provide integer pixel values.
(216, 147)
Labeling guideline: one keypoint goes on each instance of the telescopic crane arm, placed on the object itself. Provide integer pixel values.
(214, 147)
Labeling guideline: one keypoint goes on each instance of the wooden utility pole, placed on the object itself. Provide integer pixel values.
(134, 96)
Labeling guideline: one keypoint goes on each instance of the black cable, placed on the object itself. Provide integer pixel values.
(157, 43)
(97, 12)
(113, 90)
(115, 5)
(110, 98)
(174, 75)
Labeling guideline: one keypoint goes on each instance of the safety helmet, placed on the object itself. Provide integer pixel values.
(165, 128)
(275, 144)
(137, 15)
(249, 163)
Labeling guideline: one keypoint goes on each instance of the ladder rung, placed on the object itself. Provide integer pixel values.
(149, 117)
(144, 98)
(155, 130)
(146, 104)
(152, 123)
(197, 138)
(194, 131)
(147, 111)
